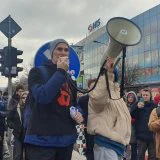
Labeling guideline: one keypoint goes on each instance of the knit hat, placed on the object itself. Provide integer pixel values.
(53, 44)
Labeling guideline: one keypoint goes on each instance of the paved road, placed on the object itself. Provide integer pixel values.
(75, 156)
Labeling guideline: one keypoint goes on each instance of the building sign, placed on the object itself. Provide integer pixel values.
(92, 27)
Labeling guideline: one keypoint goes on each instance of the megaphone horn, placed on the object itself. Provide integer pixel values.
(122, 32)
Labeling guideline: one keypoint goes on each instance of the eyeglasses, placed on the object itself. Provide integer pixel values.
(62, 49)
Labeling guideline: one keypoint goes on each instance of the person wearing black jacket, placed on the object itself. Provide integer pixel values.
(2, 128)
(51, 131)
(145, 138)
(15, 122)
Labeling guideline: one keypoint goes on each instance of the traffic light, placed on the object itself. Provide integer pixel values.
(9, 60)
(1, 61)
(14, 69)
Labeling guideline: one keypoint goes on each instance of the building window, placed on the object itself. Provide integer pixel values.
(147, 43)
(141, 60)
(147, 57)
(154, 39)
(153, 24)
(154, 55)
(146, 27)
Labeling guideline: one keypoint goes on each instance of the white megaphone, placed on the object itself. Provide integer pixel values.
(122, 33)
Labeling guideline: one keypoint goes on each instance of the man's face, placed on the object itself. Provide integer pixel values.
(146, 95)
(61, 50)
(19, 92)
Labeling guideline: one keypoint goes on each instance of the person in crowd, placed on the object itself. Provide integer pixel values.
(6, 152)
(83, 102)
(145, 137)
(51, 132)
(1, 95)
(15, 122)
(5, 98)
(154, 124)
(16, 97)
(131, 100)
(79, 95)
(2, 128)
(108, 116)
(13, 104)
(156, 99)
(139, 95)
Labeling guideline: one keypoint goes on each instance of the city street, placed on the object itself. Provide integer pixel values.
(75, 156)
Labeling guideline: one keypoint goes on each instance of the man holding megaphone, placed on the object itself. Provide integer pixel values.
(108, 119)
(51, 131)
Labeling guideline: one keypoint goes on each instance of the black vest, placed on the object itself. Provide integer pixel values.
(51, 119)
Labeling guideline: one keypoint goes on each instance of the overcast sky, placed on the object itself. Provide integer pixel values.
(44, 20)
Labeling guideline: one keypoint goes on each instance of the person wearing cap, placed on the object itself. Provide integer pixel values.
(51, 131)
(108, 116)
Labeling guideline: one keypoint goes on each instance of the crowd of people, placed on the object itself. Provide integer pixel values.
(115, 127)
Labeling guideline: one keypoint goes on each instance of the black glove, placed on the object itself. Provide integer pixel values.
(158, 111)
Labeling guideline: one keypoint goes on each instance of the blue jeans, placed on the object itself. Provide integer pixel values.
(103, 153)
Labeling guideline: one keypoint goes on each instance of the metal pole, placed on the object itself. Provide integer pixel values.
(9, 52)
(123, 71)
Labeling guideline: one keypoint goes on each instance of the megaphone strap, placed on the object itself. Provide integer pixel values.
(107, 85)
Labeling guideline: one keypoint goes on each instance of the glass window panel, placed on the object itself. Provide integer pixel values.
(135, 19)
(135, 49)
(154, 54)
(158, 20)
(159, 57)
(129, 51)
(154, 41)
(153, 24)
(158, 9)
(147, 60)
(135, 60)
(141, 26)
(130, 61)
(141, 46)
(153, 11)
(146, 15)
(146, 27)
(147, 43)
(141, 60)
(140, 17)
(158, 37)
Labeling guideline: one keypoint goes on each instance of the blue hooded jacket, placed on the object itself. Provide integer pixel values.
(50, 123)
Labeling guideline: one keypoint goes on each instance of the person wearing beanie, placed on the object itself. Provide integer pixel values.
(51, 131)
(108, 116)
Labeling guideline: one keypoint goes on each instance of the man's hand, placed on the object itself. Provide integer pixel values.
(140, 104)
(78, 118)
(109, 63)
(63, 63)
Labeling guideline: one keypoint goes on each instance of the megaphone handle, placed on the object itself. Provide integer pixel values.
(123, 69)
